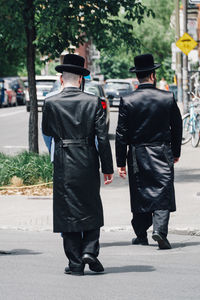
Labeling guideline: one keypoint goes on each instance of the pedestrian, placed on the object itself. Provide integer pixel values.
(163, 84)
(150, 125)
(73, 118)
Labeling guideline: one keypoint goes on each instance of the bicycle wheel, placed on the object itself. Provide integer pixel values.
(186, 129)
(196, 132)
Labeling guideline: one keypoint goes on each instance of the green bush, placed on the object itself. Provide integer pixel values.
(30, 167)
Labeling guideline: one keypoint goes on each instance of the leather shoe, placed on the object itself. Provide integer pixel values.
(76, 273)
(93, 262)
(163, 242)
(138, 241)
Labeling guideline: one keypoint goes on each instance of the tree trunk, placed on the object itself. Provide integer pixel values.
(29, 13)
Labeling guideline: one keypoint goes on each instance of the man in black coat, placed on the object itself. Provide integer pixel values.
(74, 118)
(150, 125)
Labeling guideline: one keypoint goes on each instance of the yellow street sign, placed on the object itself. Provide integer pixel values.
(186, 43)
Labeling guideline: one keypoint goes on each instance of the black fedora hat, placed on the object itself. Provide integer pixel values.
(144, 63)
(73, 63)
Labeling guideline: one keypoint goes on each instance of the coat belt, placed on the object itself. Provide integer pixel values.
(76, 142)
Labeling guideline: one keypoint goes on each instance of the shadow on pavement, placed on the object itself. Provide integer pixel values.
(113, 244)
(128, 269)
(123, 269)
(184, 244)
(19, 252)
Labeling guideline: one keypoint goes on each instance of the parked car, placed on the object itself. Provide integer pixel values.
(8, 94)
(116, 88)
(2, 92)
(18, 86)
(91, 87)
(43, 86)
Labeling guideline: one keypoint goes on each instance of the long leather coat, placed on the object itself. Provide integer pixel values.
(74, 118)
(150, 124)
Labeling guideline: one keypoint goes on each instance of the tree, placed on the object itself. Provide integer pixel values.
(155, 35)
(50, 26)
(114, 66)
(11, 62)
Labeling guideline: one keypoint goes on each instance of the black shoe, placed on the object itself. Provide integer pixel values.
(76, 273)
(163, 242)
(93, 262)
(138, 241)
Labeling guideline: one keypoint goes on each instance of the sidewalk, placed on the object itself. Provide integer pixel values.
(35, 213)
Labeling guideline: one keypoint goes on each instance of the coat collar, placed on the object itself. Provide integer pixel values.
(146, 86)
(71, 89)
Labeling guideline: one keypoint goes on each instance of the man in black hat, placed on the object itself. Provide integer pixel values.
(150, 124)
(73, 118)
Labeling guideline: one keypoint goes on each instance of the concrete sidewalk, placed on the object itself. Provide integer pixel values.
(35, 213)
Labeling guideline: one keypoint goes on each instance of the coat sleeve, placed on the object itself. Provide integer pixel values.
(122, 135)
(46, 128)
(103, 141)
(176, 129)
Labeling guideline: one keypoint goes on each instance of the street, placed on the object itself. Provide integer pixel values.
(33, 262)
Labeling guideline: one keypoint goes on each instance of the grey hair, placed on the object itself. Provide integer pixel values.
(70, 78)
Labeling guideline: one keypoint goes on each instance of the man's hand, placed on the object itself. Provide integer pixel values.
(176, 159)
(122, 172)
(108, 178)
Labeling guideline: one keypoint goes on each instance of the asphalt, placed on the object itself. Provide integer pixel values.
(32, 265)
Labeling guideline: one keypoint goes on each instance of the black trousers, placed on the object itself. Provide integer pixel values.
(142, 221)
(77, 243)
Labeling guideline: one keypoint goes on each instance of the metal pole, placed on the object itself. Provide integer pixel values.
(178, 54)
(185, 62)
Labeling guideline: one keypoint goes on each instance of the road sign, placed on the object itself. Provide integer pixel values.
(194, 1)
(186, 43)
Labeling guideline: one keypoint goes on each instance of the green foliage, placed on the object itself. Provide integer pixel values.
(155, 36)
(31, 168)
(66, 23)
(10, 62)
(61, 24)
(114, 66)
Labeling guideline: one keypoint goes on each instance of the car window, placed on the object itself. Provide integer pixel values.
(14, 84)
(93, 89)
(56, 86)
(117, 86)
(45, 82)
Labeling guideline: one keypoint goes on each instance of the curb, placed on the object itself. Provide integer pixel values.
(178, 231)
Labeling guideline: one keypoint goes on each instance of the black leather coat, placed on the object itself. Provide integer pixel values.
(150, 124)
(73, 118)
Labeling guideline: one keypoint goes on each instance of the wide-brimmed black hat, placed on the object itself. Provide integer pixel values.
(73, 63)
(144, 63)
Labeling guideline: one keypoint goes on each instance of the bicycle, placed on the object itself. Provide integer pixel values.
(191, 123)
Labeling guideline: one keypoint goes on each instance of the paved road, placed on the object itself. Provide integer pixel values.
(32, 266)
(14, 129)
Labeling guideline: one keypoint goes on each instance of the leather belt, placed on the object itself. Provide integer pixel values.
(76, 142)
